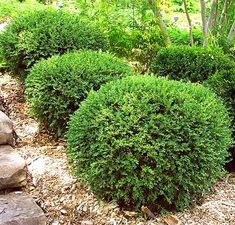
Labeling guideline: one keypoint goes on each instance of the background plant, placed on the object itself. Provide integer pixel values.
(193, 64)
(134, 30)
(181, 37)
(130, 27)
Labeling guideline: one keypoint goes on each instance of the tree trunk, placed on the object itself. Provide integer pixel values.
(223, 14)
(231, 34)
(158, 16)
(203, 16)
(212, 17)
(189, 23)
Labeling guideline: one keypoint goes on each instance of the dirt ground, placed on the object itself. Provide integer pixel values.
(67, 200)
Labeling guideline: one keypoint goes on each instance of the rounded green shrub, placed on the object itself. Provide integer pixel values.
(44, 33)
(223, 84)
(193, 64)
(55, 87)
(149, 141)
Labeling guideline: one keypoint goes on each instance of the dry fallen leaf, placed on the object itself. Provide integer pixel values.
(146, 210)
(130, 214)
(87, 222)
(172, 220)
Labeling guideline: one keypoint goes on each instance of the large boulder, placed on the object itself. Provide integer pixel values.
(12, 168)
(20, 209)
(6, 130)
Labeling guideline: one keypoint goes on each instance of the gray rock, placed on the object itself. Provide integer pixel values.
(6, 130)
(3, 26)
(12, 168)
(20, 209)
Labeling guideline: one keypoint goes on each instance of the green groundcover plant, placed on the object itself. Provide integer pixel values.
(149, 141)
(55, 87)
(44, 33)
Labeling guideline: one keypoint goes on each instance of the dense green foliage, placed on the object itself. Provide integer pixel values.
(181, 37)
(9, 8)
(139, 43)
(223, 84)
(149, 141)
(193, 6)
(189, 63)
(219, 33)
(55, 87)
(41, 34)
(131, 28)
(3, 64)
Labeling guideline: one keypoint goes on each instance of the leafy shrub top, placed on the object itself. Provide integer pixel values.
(55, 87)
(44, 33)
(181, 37)
(9, 8)
(149, 141)
(194, 64)
(223, 84)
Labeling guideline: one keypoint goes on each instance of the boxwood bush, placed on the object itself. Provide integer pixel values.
(44, 33)
(193, 64)
(55, 87)
(9, 8)
(149, 141)
(223, 84)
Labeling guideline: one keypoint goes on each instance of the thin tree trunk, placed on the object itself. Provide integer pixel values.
(223, 14)
(212, 17)
(225, 18)
(162, 25)
(189, 23)
(231, 34)
(203, 16)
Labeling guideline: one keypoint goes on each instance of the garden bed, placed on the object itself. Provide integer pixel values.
(67, 200)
